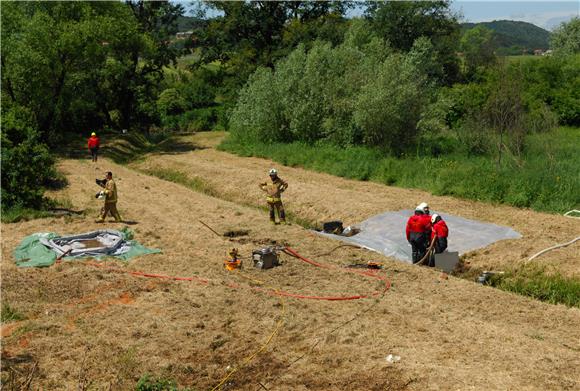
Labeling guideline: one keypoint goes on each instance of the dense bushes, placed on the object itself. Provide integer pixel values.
(356, 93)
(26, 162)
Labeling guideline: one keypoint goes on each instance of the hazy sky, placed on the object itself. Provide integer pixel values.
(546, 14)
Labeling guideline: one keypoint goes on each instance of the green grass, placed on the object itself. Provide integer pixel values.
(534, 281)
(9, 314)
(196, 183)
(545, 179)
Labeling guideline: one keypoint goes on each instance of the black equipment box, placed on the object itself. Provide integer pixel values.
(332, 227)
(265, 258)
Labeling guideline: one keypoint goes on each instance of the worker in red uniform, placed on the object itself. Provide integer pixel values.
(440, 232)
(94, 144)
(418, 230)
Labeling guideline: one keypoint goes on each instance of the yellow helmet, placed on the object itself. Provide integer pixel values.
(93, 134)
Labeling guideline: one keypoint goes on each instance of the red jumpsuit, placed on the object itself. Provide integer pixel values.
(417, 231)
(440, 231)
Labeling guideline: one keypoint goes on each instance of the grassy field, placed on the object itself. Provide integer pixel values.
(545, 179)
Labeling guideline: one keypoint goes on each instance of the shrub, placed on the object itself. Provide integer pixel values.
(26, 162)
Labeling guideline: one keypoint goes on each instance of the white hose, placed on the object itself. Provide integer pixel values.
(553, 248)
(567, 214)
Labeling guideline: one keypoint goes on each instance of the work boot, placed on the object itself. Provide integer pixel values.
(273, 222)
(284, 222)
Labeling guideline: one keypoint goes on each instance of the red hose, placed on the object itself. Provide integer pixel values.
(289, 251)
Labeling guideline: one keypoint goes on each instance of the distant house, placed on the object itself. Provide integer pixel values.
(547, 52)
(538, 52)
(183, 34)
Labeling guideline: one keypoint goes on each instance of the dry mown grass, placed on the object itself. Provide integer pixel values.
(98, 329)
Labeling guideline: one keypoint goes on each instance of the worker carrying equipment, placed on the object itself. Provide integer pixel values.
(110, 199)
(439, 231)
(418, 231)
(274, 189)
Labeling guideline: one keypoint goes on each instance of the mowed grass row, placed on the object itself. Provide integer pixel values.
(546, 178)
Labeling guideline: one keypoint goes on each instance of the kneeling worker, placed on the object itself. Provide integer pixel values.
(440, 232)
(274, 189)
(418, 230)
(110, 199)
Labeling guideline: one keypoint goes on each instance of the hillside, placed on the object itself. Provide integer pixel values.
(513, 37)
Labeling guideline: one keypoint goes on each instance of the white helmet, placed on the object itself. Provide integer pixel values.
(273, 171)
(424, 207)
(434, 218)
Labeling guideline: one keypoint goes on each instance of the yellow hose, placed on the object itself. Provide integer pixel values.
(249, 358)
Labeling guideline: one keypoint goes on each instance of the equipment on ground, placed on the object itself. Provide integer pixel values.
(368, 265)
(234, 262)
(333, 227)
(265, 258)
(446, 261)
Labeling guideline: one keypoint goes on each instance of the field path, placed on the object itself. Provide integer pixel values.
(87, 325)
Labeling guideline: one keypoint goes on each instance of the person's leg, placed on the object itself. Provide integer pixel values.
(106, 210)
(272, 212)
(281, 212)
(115, 212)
(96, 154)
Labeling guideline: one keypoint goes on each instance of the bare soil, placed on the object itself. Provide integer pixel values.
(92, 327)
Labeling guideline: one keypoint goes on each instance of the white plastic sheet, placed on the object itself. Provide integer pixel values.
(385, 234)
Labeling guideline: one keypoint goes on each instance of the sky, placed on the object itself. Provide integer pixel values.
(545, 14)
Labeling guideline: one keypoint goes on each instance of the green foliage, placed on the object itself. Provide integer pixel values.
(9, 314)
(73, 64)
(565, 39)
(146, 383)
(27, 165)
(477, 47)
(545, 179)
(401, 23)
(534, 281)
(358, 92)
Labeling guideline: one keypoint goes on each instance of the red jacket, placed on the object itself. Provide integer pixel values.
(418, 223)
(93, 142)
(440, 230)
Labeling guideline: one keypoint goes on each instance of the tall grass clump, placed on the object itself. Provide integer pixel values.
(546, 179)
(534, 281)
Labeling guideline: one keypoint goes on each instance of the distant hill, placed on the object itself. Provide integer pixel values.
(513, 37)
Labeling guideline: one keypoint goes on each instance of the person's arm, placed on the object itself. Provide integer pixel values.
(262, 186)
(283, 186)
(408, 231)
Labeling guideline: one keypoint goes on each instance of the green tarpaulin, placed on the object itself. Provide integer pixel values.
(33, 253)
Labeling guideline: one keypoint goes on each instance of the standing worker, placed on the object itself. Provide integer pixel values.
(110, 193)
(274, 189)
(94, 144)
(418, 230)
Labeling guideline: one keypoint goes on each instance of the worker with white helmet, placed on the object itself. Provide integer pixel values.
(439, 232)
(274, 189)
(418, 230)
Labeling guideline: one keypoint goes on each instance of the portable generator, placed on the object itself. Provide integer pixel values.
(265, 258)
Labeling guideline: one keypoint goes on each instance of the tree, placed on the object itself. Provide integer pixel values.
(477, 46)
(565, 40)
(402, 22)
